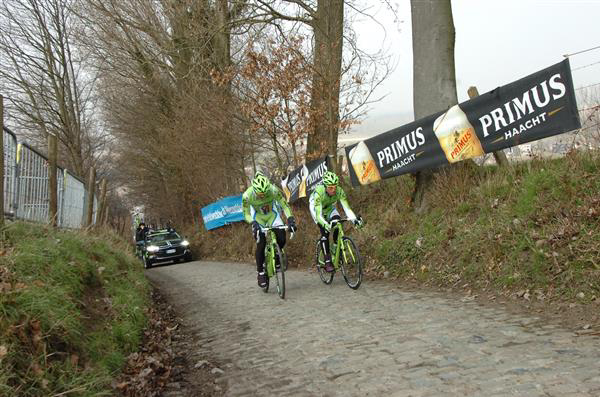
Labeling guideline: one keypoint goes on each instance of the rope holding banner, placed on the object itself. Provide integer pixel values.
(581, 52)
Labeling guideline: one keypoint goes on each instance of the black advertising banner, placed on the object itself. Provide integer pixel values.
(302, 181)
(534, 107)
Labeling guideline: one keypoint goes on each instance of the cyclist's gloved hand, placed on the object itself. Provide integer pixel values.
(358, 222)
(291, 221)
(255, 228)
(327, 227)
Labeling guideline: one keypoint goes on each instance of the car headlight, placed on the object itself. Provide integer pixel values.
(185, 243)
(152, 248)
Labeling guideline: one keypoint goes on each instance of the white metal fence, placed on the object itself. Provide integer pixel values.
(26, 187)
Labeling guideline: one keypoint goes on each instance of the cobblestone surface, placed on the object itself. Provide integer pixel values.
(376, 341)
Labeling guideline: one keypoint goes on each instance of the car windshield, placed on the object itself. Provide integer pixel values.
(162, 237)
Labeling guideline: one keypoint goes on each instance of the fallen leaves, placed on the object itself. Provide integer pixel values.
(151, 369)
(162, 364)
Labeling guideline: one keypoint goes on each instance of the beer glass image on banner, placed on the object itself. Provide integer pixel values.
(363, 164)
(303, 179)
(456, 135)
(284, 187)
(304, 174)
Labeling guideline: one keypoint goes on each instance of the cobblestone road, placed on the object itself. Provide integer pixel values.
(377, 341)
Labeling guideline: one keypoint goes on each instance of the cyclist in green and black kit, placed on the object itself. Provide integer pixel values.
(262, 204)
(322, 204)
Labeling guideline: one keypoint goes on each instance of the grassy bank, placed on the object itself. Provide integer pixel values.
(72, 309)
(531, 227)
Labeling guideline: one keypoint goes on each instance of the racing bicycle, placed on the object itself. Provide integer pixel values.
(275, 259)
(344, 257)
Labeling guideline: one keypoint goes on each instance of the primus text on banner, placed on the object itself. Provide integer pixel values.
(303, 180)
(534, 107)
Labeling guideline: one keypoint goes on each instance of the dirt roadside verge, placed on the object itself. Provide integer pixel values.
(168, 365)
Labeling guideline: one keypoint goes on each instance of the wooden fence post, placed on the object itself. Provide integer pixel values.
(102, 203)
(500, 156)
(52, 180)
(89, 206)
(2, 160)
(105, 215)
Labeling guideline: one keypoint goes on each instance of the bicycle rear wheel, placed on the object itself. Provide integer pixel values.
(327, 278)
(280, 272)
(351, 263)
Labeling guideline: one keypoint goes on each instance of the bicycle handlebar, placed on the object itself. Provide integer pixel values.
(266, 229)
(341, 220)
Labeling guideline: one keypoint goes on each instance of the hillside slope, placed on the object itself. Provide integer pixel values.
(72, 309)
(531, 229)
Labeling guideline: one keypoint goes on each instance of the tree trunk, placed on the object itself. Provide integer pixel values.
(328, 27)
(295, 154)
(223, 60)
(276, 150)
(434, 84)
(253, 151)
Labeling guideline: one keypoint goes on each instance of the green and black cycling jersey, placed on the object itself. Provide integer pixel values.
(322, 205)
(266, 210)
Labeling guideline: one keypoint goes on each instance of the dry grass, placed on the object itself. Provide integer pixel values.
(72, 308)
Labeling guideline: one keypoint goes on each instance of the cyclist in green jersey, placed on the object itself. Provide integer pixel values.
(322, 204)
(262, 204)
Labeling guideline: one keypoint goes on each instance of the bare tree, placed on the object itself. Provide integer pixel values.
(44, 80)
(274, 87)
(340, 88)
(176, 130)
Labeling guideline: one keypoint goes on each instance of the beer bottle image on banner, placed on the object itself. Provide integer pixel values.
(456, 135)
(363, 164)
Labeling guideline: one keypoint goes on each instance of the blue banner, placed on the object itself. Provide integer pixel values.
(223, 212)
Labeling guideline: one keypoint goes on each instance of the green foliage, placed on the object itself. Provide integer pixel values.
(72, 308)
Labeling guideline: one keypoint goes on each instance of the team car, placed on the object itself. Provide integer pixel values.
(165, 246)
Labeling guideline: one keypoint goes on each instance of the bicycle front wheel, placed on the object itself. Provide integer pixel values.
(351, 263)
(327, 278)
(267, 261)
(280, 271)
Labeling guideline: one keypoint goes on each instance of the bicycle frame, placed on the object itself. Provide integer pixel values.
(270, 247)
(344, 257)
(335, 257)
(270, 256)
